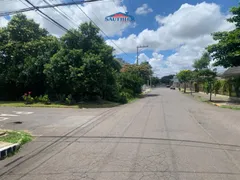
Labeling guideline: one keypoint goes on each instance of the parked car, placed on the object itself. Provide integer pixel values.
(172, 87)
(168, 86)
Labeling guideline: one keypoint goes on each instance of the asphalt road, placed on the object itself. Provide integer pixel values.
(166, 135)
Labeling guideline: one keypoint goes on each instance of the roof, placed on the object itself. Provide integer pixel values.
(231, 72)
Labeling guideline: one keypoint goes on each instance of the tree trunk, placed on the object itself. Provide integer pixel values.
(210, 88)
(191, 87)
(196, 87)
(185, 87)
(237, 91)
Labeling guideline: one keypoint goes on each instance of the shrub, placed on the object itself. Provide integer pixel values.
(61, 98)
(42, 99)
(28, 98)
(45, 99)
(69, 100)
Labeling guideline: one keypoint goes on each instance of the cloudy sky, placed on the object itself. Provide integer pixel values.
(175, 31)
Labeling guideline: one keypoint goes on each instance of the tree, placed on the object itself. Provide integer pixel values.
(84, 67)
(185, 76)
(226, 52)
(200, 65)
(208, 76)
(24, 49)
(144, 70)
(166, 79)
(203, 62)
(155, 81)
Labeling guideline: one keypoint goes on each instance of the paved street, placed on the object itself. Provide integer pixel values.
(166, 135)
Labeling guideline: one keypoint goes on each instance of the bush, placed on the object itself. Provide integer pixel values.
(69, 100)
(61, 98)
(122, 99)
(45, 99)
(42, 99)
(28, 98)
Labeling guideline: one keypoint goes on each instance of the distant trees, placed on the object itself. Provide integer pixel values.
(166, 79)
(79, 65)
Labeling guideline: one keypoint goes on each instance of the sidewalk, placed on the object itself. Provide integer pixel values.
(218, 100)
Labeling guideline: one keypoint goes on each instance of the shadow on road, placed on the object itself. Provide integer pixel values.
(149, 95)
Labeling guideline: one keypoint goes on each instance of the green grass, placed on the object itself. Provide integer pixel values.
(230, 107)
(103, 104)
(16, 137)
(222, 106)
(133, 99)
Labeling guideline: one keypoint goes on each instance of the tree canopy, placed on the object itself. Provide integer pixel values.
(203, 62)
(226, 52)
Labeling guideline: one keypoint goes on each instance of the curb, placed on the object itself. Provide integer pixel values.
(10, 149)
(215, 104)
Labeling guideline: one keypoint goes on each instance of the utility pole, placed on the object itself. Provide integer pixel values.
(138, 47)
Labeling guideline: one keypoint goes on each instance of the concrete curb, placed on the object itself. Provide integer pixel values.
(8, 149)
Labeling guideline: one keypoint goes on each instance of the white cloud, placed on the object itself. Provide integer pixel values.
(187, 31)
(142, 58)
(143, 10)
(3, 22)
(97, 11)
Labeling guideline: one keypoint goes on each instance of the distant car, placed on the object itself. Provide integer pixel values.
(168, 86)
(172, 87)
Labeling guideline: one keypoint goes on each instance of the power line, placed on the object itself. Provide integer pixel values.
(47, 6)
(61, 13)
(55, 22)
(100, 28)
(50, 21)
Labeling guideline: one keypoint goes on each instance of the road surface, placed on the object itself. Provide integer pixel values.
(166, 135)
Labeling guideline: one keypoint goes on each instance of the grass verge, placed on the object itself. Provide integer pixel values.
(230, 107)
(16, 137)
(214, 104)
(103, 104)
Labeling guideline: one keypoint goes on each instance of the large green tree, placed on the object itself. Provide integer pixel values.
(24, 49)
(226, 52)
(85, 66)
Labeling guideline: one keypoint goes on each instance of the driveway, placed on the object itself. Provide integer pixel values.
(166, 135)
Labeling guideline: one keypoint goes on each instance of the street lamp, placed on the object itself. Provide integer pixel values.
(138, 47)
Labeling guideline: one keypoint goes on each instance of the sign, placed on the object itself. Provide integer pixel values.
(120, 17)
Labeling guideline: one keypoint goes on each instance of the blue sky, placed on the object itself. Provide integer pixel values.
(162, 8)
